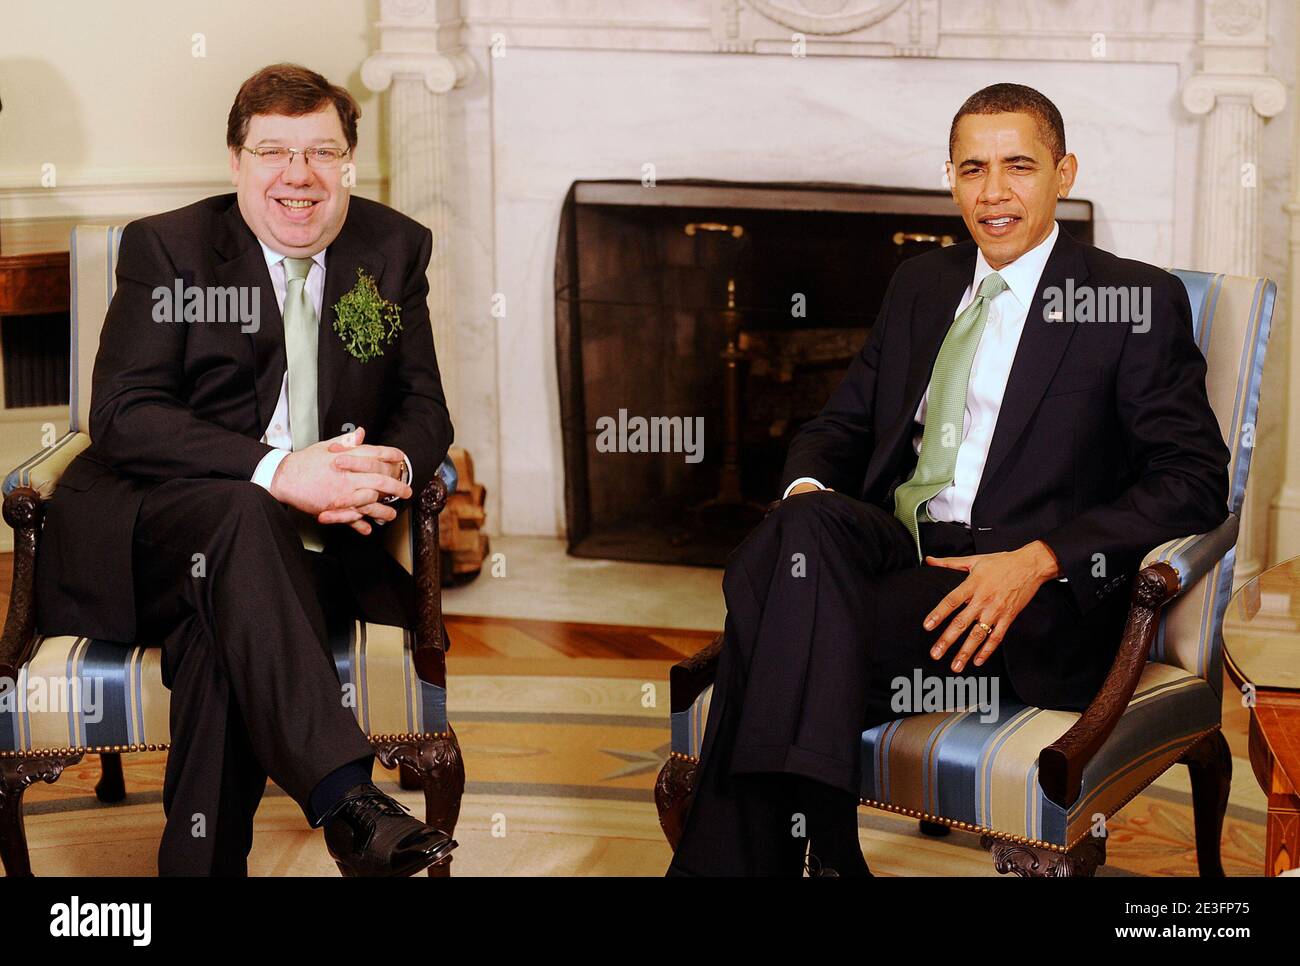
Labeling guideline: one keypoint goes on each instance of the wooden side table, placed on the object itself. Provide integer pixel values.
(1261, 638)
(34, 268)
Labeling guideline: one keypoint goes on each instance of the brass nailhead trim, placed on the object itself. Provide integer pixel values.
(963, 826)
(83, 750)
(134, 749)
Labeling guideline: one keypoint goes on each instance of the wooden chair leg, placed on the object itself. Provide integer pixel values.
(408, 778)
(112, 786)
(438, 764)
(673, 792)
(15, 775)
(1031, 861)
(1209, 763)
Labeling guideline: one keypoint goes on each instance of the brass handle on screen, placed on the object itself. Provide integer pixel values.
(734, 230)
(902, 237)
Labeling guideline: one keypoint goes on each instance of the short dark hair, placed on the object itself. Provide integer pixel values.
(291, 90)
(1015, 99)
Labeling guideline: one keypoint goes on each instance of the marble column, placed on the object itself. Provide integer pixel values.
(419, 62)
(1234, 94)
(1285, 531)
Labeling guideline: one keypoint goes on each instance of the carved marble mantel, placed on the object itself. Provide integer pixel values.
(1214, 52)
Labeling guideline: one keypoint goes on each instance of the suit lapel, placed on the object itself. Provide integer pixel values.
(939, 309)
(245, 266)
(347, 253)
(932, 317)
(1042, 345)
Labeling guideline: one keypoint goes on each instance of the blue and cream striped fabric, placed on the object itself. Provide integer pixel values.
(94, 261)
(957, 769)
(95, 695)
(1232, 317)
(42, 470)
(688, 725)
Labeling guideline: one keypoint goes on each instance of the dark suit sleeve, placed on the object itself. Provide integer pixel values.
(1173, 442)
(138, 419)
(419, 425)
(835, 446)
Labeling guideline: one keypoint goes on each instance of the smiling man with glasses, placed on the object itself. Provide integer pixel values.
(271, 456)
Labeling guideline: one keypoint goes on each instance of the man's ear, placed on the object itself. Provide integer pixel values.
(1067, 169)
(234, 165)
(952, 182)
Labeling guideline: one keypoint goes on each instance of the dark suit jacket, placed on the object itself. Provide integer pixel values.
(174, 400)
(1105, 444)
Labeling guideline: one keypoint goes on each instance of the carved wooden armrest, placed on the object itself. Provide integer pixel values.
(430, 647)
(24, 511)
(1168, 571)
(688, 678)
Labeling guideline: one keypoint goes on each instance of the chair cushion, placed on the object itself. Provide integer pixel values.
(953, 768)
(101, 696)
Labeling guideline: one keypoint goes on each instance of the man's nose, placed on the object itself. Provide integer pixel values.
(298, 171)
(996, 189)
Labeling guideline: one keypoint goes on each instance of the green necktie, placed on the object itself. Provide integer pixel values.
(300, 335)
(946, 410)
(300, 338)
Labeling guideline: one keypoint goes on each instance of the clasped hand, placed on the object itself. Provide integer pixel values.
(341, 480)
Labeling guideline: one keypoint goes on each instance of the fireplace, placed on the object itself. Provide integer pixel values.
(698, 326)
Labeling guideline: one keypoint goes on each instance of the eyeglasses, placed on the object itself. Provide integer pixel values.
(279, 157)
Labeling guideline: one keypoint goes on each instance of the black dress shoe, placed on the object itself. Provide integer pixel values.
(369, 834)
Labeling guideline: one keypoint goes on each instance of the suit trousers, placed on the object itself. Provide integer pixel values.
(242, 612)
(825, 600)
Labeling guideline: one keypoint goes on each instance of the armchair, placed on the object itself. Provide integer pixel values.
(399, 676)
(1038, 785)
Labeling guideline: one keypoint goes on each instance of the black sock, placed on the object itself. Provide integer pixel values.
(333, 786)
(832, 828)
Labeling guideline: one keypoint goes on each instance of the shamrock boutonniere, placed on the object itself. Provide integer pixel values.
(365, 320)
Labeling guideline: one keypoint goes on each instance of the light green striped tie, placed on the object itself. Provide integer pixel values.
(946, 410)
(300, 342)
(300, 337)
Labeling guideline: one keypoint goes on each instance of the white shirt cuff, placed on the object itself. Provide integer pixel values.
(802, 479)
(267, 466)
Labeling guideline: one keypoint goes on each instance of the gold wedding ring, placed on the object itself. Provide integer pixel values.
(987, 630)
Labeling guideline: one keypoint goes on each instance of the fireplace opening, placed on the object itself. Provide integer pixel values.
(698, 326)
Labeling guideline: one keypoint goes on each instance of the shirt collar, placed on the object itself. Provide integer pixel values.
(1023, 274)
(273, 257)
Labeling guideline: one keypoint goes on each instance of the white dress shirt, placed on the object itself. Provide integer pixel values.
(988, 377)
(278, 433)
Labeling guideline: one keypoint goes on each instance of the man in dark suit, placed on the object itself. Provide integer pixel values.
(229, 503)
(974, 500)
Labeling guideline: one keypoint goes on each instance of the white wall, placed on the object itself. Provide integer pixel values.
(111, 94)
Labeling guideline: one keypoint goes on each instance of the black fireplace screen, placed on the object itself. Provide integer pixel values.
(698, 325)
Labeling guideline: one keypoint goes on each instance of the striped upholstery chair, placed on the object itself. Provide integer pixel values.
(75, 696)
(1038, 785)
